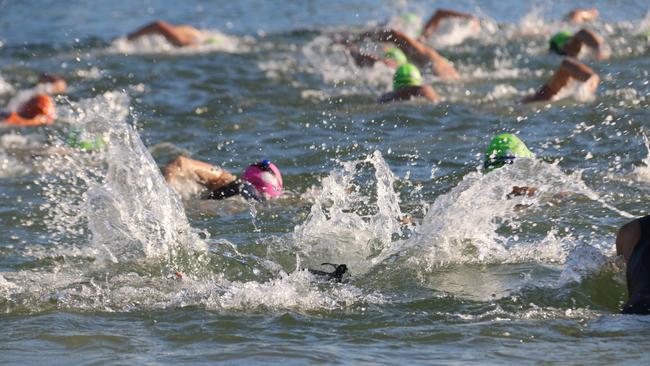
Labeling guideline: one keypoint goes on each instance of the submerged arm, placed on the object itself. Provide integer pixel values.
(416, 51)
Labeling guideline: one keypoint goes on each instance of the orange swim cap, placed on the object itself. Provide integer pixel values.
(40, 106)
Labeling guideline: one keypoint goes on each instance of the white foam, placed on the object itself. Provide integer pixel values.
(5, 87)
(157, 44)
(454, 31)
(462, 226)
(337, 228)
(642, 172)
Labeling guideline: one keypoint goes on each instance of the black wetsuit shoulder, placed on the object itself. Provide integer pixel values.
(638, 272)
(237, 187)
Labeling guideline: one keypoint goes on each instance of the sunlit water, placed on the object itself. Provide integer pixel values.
(444, 268)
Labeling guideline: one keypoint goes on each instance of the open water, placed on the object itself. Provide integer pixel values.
(89, 242)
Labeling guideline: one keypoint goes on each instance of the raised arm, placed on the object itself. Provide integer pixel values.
(434, 22)
(569, 69)
(580, 16)
(205, 174)
(588, 38)
(415, 51)
(177, 35)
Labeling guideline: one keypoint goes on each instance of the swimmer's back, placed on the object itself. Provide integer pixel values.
(638, 272)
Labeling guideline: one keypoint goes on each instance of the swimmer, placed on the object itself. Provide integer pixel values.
(39, 110)
(416, 51)
(567, 44)
(633, 243)
(441, 14)
(569, 70)
(502, 150)
(260, 181)
(407, 84)
(178, 35)
(581, 16)
(393, 57)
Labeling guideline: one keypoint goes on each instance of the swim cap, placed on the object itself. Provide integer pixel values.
(411, 17)
(75, 140)
(406, 75)
(503, 149)
(557, 42)
(213, 40)
(40, 106)
(265, 177)
(396, 55)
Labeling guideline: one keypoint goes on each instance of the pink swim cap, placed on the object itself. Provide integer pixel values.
(265, 177)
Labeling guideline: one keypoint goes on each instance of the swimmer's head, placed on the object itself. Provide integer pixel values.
(39, 106)
(396, 55)
(406, 75)
(265, 177)
(557, 42)
(503, 149)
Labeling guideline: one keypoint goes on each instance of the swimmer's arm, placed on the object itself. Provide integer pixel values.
(428, 93)
(521, 191)
(165, 29)
(411, 47)
(589, 38)
(626, 239)
(579, 16)
(206, 174)
(570, 68)
(437, 17)
(417, 51)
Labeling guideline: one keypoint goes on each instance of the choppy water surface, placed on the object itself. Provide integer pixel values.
(91, 240)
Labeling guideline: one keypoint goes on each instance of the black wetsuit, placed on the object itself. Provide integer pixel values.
(638, 273)
(237, 187)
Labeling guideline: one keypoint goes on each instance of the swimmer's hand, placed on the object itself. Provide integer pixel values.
(521, 191)
(177, 275)
(336, 275)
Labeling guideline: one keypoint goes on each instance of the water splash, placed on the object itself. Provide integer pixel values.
(642, 172)
(452, 32)
(331, 61)
(157, 44)
(354, 218)
(464, 225)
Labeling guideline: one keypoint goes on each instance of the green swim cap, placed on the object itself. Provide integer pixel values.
(213, 40)
(411, 18)
(503, 149)
(558, 41)
(396, 55)
(406, 75)
(75, 141)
